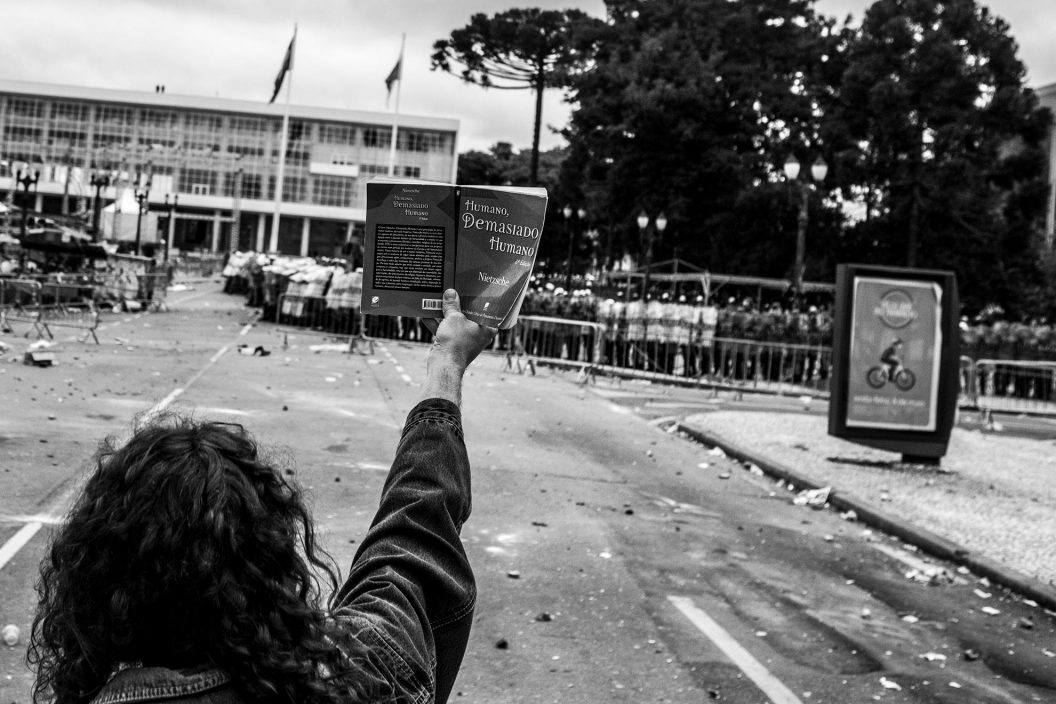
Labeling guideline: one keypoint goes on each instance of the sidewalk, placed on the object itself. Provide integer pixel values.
(990, 506)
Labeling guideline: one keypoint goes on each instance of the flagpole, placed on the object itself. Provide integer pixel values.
(273, 241)
(396, 113)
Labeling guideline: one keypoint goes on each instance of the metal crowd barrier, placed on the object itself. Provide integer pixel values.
(195, 267)
(1014, 386)
(322, 316)
(18, 297)
(43, 307)
(133, 292)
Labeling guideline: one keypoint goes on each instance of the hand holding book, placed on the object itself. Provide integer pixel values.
(456, 343)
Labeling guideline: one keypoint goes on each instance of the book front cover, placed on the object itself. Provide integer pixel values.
(410, 247)
(498, 240)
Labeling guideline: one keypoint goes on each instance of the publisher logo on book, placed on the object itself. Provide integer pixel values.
(896, 309)
(375, 301)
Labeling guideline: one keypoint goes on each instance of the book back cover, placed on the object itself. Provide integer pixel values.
(409, 253)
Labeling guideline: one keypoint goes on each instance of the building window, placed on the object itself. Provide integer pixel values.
(69, 112)
(332, 190)
(299, 130)
(343, 158)
(337, 134)
(377, 137)
(373, 170)
(67, 138)
(158, 119)
(249, 126)
(252, 186)
(20, 107)
(411, 171)
(294, 189)
(203, 122)
(297, 157)
(197, 181)
(18, 133)
(415, 141)
(111, 115)
(246, 151)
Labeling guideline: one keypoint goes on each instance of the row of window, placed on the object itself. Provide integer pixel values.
(120, 118)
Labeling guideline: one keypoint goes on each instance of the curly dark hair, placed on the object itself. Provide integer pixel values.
(186, 548)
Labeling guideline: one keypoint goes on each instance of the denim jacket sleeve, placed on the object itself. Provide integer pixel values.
(411, 580)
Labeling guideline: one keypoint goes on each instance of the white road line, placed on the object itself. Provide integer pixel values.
(757, 673)
(17, 541)
(396, 366)
(62, 506)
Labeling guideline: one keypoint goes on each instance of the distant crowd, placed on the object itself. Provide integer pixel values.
(326, 293)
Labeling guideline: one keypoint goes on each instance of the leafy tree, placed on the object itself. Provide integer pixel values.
(691, 107)
(949, 145)
(519, 49)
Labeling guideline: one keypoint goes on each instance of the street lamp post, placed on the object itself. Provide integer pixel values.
(647, 233)
(170, 222)
(818, 170)
(26, 179)
(98, 182)
(142, 196)
(571, 232)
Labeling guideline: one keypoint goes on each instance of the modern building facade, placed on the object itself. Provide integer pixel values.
(201, 172)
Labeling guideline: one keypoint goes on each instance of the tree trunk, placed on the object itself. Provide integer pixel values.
(914, 224)
(540, 85)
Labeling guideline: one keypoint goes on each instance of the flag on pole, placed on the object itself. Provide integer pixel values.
(394, 75)
(287, 65)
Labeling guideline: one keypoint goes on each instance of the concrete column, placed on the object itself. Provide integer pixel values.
(273, 239)
(306, 228)
(260, 232)
(215, 244)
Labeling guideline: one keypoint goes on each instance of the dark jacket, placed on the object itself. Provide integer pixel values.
(410, 593)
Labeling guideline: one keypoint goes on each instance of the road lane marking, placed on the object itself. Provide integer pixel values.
(24, 534)
(18, 541)
(62, 506)
(396, 365)
(756, 672)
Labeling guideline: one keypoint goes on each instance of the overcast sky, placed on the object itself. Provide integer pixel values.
(345, 49)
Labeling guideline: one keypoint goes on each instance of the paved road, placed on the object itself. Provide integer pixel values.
(615, 561)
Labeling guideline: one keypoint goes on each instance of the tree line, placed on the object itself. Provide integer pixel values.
(934, 146)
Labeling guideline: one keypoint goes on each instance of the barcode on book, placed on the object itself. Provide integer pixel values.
(432, 304)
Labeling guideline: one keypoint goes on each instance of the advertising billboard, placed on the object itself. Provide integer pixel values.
(895, 359)
(893, 365)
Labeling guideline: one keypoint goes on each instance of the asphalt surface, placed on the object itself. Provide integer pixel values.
(616, 559)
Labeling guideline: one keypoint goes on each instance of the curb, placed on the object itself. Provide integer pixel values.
(924, 539)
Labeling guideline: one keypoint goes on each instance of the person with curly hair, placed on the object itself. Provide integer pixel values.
(189, 568)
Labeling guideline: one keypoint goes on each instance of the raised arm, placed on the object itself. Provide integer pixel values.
(411, 585)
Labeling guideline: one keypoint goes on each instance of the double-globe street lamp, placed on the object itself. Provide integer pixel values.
(818, 171)
(571, 232)
(98, 182)
(646, 233)
(142, 197)
(26, 179)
